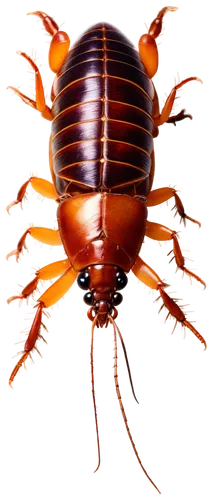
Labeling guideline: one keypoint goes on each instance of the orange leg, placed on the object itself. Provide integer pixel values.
(45, 273)
(40, 185)
(147, 45)
(42, 234)
(164, 116)
(161, 233)
(58, 50)
(147, 276)
(52, 295)
(161, 195)
(174, 117)
(60, 42)
(39, 104)
(150, 55)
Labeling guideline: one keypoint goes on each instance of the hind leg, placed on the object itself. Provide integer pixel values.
(147, 45)
(60, 42)
(149, 277)
(58, 51)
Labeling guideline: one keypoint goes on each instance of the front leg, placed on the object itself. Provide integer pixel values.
(158, 196)
(52, 295)
(45, 273)
(149, 277)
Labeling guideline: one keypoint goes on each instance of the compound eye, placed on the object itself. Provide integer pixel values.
(83, 280)
(121, 280)
(117, 299)
(88, 298)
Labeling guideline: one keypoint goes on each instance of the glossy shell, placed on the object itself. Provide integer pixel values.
(102, 127)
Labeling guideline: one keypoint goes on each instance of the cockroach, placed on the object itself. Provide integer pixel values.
(105, 114)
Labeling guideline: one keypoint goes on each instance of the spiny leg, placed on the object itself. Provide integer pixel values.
(39, 104)
(173, 118)
(60, 42)
(119, 398)
(40, 185)
(48, 272)
(52, 295)
(147, 45)
(42, 234)
(58, 51)
(158, 196)
(161, 233)
(149, 50)
(164, 116)
(149, 277)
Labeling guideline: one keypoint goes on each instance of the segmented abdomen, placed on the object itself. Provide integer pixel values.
(102, 127)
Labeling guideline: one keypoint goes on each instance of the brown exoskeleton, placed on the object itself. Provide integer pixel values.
(104, 117)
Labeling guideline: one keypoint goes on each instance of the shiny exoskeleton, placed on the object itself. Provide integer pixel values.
(105, 114)
(102, 126)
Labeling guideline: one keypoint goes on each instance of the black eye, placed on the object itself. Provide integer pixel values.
(117, 299)
(83, 280)
(121, 280)
(88, 298)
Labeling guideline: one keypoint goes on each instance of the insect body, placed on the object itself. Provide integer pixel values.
(105, 114)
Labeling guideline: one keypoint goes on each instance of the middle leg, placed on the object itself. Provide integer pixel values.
(42, 234)
(158, 196)
(161, 233)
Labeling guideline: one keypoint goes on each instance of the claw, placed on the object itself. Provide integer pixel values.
(15, 256)
(11, 205)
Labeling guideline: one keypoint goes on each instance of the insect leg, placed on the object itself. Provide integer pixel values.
(174, 118)
(147, 45)
(161, 233)
(41, 185)
(45, 273)
(42, 234)
(149, 277)
(39, 104)
(60, 41)
(164, 116)
(158, 196)
(52, 295)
